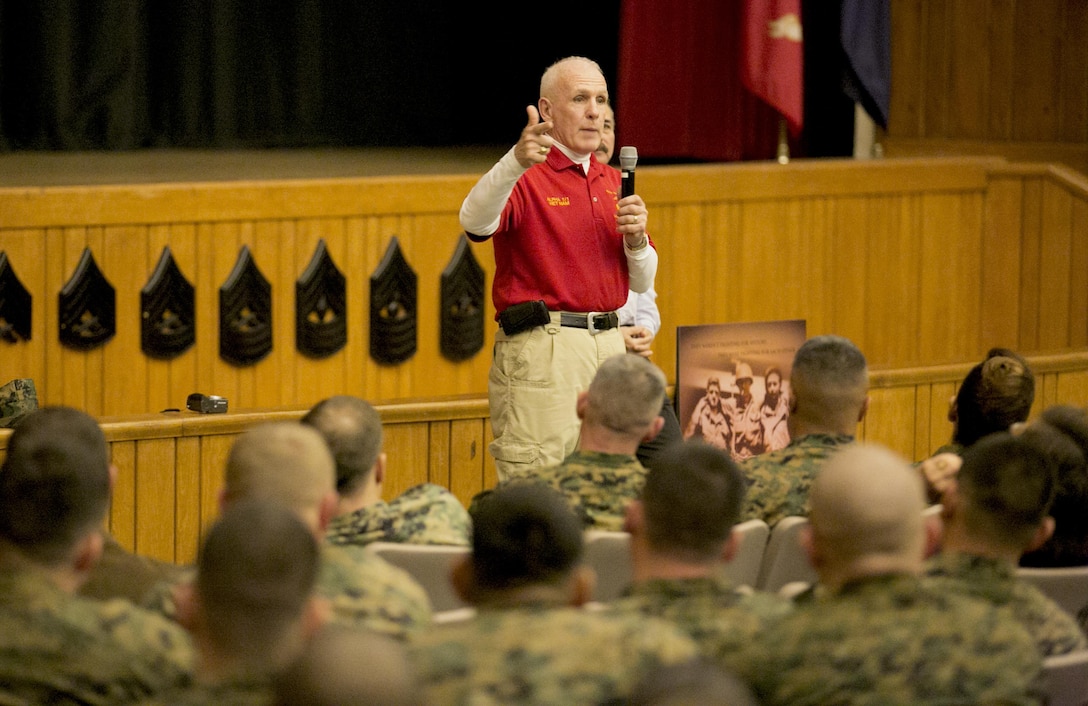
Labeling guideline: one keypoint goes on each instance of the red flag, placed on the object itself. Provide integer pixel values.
(773, 64)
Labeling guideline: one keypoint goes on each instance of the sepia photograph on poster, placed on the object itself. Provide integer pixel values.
(732, 383)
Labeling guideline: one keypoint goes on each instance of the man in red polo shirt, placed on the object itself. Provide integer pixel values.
(567, 250)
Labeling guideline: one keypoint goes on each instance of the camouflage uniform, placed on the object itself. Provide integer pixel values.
(120, 573)
(537, 655)
(597, 485)
(890, 640)
(363, 590)
(237, 691)
(367, 591)
(424, 514)
(719, 616)
(778, 481)
(993, 580)
(57, 648)
(18, 398)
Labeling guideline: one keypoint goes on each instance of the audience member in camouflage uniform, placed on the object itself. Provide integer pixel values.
(18, 398)
(878, 633)
(830, 395)
(530, 642)
(1062, 432)
(621, 409)
(681, 531)
(290, 463)
(424, 514)
(252, 607)
(341, 665)
(996, 509)
(56, 647)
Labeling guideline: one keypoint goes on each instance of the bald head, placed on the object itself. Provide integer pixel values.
(282, 461)
(866, 514)
(830, 383)
(561, 70)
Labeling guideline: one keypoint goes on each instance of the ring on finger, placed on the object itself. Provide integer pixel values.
(543, 149)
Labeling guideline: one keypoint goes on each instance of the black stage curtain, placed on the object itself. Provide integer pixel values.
(234, 74)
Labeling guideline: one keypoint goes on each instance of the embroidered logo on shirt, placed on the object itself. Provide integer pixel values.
(559, 201)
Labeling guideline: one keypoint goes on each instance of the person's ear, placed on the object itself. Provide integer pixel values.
(379, 469)
(864, 409)
(582, 403)
(934, 530)
(88, 552)
(315, 614)
(186, 604)
(655, 428)
(544, 107)
(330, 504)
(633, 517)
(462, 580)
(1043, 532)
(113, 476)
(582, 583)
(730, 547)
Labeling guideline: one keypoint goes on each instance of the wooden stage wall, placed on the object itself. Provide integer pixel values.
(919, 261)
(171, 465)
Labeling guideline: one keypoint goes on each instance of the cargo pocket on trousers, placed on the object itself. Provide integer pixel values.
(518, 452)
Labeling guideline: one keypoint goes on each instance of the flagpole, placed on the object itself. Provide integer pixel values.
(783, 142)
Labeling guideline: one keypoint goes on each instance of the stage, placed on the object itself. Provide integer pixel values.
(156, 166)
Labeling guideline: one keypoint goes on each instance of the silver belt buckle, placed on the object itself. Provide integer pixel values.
(591, 325)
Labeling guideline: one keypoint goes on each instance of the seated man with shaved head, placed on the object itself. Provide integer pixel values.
(878, 633)
(994, 511)
(830, 395)
(290, 463)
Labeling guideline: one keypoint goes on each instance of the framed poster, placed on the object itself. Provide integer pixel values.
(732, 383)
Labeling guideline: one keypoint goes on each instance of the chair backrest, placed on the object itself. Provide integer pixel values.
(1065, 679)
(609, 555)
(430, 564)
(752, 536)
(785, 559)
(1067, 585)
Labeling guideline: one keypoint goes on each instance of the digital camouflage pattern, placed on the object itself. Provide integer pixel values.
(889, 641)
(367, 591)
(18, 398)
(995, 581)
(239, 691)
(779, 481)
(363, 590)
(424, 514)
(597, 485)
(541, 655)
(56, 648)
(722, 618)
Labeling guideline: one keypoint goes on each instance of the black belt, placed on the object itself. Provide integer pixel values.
(593, 321)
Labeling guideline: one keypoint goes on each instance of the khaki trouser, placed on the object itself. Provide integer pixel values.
(533, 387)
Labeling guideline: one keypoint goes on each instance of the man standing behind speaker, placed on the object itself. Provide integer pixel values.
(567, 250)
(640, 320)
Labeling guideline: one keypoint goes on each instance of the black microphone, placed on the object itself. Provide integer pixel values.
(628, 157)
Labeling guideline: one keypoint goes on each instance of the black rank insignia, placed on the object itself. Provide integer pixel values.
(321, 327)
(167, 311)
(87, 314)
(393, 310)
(15, 307)
(462, 305)
(245, 313)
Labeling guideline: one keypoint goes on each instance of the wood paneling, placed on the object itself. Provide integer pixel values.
(1001, 71)
(920, 261)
